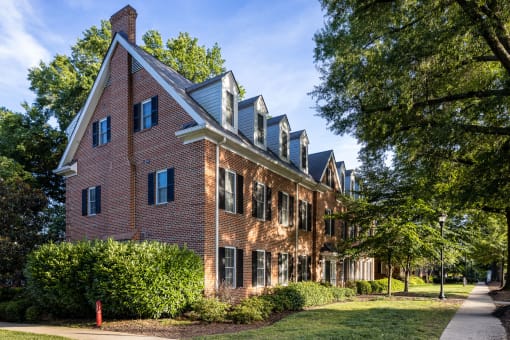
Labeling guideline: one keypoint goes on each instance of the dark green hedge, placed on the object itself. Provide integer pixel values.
(147, 279)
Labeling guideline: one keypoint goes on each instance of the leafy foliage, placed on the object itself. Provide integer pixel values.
(209, 310)
(131, 279)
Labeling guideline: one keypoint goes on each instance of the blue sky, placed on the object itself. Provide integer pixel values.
(267, 44)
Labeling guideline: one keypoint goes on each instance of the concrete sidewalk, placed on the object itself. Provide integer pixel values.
(474, 319)
(73, 333)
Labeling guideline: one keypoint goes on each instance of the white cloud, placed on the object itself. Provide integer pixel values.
(19, 50)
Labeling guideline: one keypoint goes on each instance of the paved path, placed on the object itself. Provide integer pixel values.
(73, 333)
(474, 319)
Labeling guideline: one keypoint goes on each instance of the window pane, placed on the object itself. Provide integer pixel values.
(161, 184)
(303, 156)
(261, 268)
(285, 209)
(92, 201)
(229, 266)
(284, 144)
(260, 129)
(283, 271)
(147, 121)
(230, 191)
(229, 112)
(260, 201)
(102, 132)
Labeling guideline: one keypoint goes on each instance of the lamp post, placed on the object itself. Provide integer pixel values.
(442, 219)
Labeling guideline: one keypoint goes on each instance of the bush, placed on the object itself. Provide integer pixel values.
(132, 279)
(14, 310)
(312, 293)
(351, 285)
(210, 310)
(251, 310)
(396, 285)
(377, 286)
(363, 287)
(341, 294)
(33, 314)
(286, 298)
(415, 280)
(3, 305)
(9, 293)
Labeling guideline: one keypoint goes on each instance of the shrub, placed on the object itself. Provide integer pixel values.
(415, 280)
(312, 293)
(363, 287)
(147, 279)
(33, 314)
(251, 310)
(286, 298)
(341, 294)
(351, 284)
(210, 310)
(9, 293)
(14, 310)
(3, 305)
(396, 285)
(377, 286)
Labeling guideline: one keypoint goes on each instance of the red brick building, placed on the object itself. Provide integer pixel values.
(153, 156)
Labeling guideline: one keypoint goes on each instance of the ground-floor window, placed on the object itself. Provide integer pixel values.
(304, 268)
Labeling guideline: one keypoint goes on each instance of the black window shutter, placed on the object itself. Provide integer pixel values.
(154, 110)
(291, 210)
(84, 199)
(309, 268)
(280, 195)
(95, 134)
(239, 267)
(108, 129)
(309, 217)
(221, 189)
(300, 268)
(150, 188)
(268, 268)
(326, 231)
(254, 268)
(268, 204)
(136, 117)
(98, 199)
(291, 267)
(170, 191)
(300, 215)
(239, 194)
(333, 227)
(221, 264)
(254, 199)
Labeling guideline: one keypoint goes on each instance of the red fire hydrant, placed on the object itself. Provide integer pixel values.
(99, 314)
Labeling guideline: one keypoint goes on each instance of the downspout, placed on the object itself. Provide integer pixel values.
(130, 150)
(217, 215)
(296, 223)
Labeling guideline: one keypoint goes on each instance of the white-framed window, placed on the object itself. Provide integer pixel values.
(103, 131)
(284, 138)
(91, 206)
(304, 156)
(260, 135)
(304, 268)
(305, 215)
(261, 268)
(285, 209)
(329, 222)
(230, 191)
(329, 271)
(146, 114)
(229, 109)
(329, 178)
(230, 266)
(283, 269)
(161, 187)
(260, 197)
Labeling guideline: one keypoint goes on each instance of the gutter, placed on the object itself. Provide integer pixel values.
(217, 216)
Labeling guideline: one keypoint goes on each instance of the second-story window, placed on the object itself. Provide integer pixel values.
(231, 191)
(329, 223)
(261, 201)
(305, 216)
(161, 186)
(329, 178)
(145, 114)
(229, 109)
(101, 131)
(285, 209)
(260, 129)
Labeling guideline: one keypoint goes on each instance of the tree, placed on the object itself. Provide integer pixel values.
(428, 80)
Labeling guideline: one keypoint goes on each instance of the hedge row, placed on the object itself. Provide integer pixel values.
(132, 279)
(363, 287)
(293, 297)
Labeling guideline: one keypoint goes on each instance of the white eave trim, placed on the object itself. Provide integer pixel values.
(67, 170)
(214, 135)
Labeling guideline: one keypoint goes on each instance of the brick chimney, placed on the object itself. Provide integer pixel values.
(124, 22)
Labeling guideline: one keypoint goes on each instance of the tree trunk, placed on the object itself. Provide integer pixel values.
(407, 274)
(390, 273)
(503, 280)
(507, 214)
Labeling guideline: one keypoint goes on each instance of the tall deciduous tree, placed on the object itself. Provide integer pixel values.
(429, 80)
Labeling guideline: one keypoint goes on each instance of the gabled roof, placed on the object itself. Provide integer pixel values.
(317, 163)
(340, 164)
(277, 120)
(248, 102)
(193, 87)
(296, 134)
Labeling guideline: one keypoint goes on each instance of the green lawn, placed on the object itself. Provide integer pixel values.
(11, 335)
(381, 318)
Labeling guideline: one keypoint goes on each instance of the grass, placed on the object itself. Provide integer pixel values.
(12, 335)
(422, 317)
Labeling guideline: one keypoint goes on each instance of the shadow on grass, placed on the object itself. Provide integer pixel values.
(455, 296)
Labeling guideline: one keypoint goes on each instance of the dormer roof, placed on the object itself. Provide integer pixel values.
(317, 163)
(277, 120)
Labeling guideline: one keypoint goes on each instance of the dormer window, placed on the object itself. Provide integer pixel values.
(229, 109)
(329, 177)
(304, 156)
(260, 136)
(284, 143)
